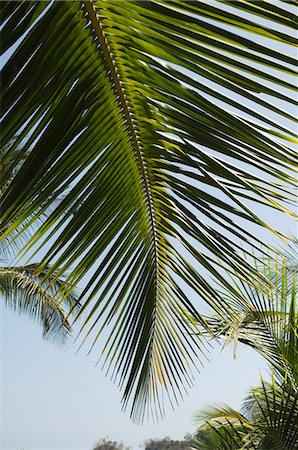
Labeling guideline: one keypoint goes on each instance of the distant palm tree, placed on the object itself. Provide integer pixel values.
(269, 419)
(160, 122)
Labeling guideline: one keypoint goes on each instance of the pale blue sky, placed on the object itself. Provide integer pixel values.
(53, 399)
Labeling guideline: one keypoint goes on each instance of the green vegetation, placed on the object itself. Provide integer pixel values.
(269, 417)
(168, 444)
(150, 444)
(149, 132)
(21, 287)
(269, 324)
(105, 444)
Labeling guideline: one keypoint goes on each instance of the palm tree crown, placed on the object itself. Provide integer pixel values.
(269, 416)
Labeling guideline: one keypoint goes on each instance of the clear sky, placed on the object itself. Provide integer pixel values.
(55, 399)
(52, 398)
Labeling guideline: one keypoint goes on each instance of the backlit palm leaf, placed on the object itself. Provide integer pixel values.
(274, 411)
(148, 113)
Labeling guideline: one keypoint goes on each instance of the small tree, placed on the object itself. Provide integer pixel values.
(104, 444)
(168, 444)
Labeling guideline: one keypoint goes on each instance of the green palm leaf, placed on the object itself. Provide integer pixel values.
(274, 407)
(20, 287)
(26, 293)
(146, 115)
(268, 421)
(268, 323)
(224, 428)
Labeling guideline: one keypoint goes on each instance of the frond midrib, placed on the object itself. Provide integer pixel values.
(126, 107)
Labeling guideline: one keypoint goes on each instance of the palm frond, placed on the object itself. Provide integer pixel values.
(147, 114)
(268, 421)
(224, 428)
(268, 322)
(26, 293)
(274, 410)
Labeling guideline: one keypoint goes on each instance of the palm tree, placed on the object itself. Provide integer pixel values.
(267, 322)
(268, 420)
(20, 287)
(159, 121)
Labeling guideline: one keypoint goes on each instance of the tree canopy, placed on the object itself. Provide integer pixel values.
(168, 444)
(106, 444)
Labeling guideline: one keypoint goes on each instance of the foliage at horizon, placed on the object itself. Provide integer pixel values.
(150, 444)
(163, 125)
(168, 444)
(106, 444)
